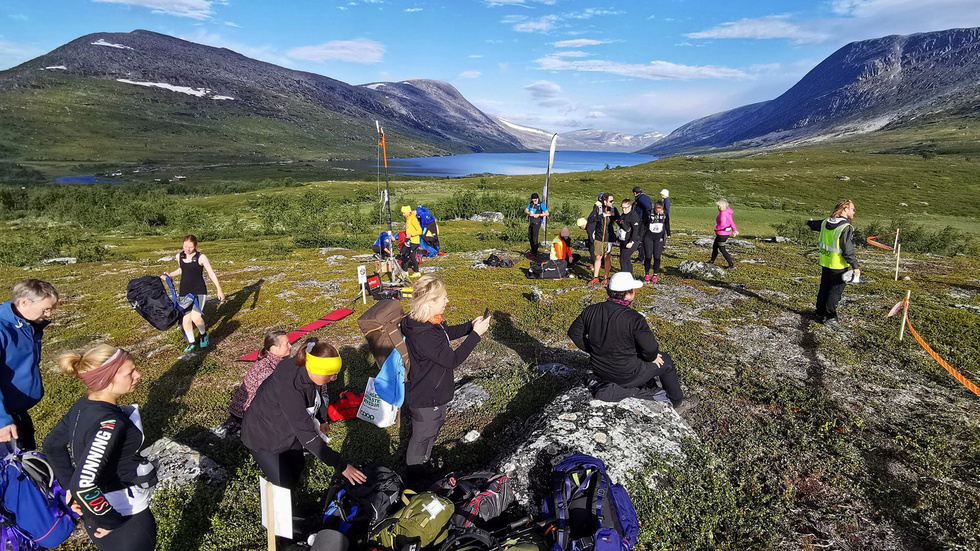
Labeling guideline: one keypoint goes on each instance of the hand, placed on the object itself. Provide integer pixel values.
(100, 532)
(481, 324)
(857, 273)
(325, 428)
(75, 507)
(8, 433)
(353, 475)
(659, 362)
(221, 295)
(736, 233)
(629, 245)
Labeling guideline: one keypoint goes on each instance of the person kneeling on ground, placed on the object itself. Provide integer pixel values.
(282, 419)
(433, 359)
(382, 245)
(561, 252)
(623, 353)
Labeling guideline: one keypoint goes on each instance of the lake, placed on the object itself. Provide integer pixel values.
(511, 164)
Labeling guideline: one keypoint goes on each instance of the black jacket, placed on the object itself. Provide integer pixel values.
(632, 224)
(662, 218)
(846, 237)
(599, 227)
(430, 379)
(617, 338)
(94, 451)
(278, 418)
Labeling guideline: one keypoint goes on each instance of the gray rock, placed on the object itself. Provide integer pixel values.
(778, 239)
(471, 437)
(470, 395)
(621, 434)
(178, 465)
(704, 242)
(165, 259)
(60, 260)
(710, 241)
(843, 177)
(479, 265)
(555, 368)
(701, 270)
(362, 257)
(488, 216)
(333, 259)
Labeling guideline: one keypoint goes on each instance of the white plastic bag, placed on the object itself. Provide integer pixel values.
(375, 410)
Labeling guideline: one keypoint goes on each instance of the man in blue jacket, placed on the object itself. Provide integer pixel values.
(22, 323)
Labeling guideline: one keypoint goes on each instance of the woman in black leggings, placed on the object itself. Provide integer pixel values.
(94, 453)
(724, 228)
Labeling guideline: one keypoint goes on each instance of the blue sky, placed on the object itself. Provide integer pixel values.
(558, 65)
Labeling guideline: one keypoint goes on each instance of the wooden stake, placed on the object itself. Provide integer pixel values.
(898, 257)
(363, 293)
(895, 246)
(905, 315)
(270, 516)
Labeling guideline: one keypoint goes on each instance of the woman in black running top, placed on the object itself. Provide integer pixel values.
(93, 451)
(191, 265)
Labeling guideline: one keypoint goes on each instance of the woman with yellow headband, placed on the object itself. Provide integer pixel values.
(94, 452)
(282, 419)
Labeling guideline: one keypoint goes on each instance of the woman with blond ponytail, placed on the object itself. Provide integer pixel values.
(94, 452)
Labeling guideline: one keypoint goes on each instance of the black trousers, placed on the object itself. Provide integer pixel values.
(625, 254)
(426, 423)
(25, 431)
(719, 245)
(831, 289)
(643, 385)
(532, 237)
(653, 247)
(379, 251)
(137, 533)
(408, 255)
(282, 469)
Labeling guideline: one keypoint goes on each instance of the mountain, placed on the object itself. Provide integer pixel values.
(579, 140)
(143, 95)
(862, 87)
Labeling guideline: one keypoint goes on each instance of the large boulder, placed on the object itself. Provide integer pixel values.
(709, 242)
(622, 434)
(488, 216)
(178, 465)
(700, 270)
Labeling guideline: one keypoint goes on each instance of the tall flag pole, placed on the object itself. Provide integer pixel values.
(384, 155)
(547, 176)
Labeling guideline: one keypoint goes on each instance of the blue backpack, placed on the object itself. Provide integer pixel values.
(424, 215)
(32, 503)
(590, 512)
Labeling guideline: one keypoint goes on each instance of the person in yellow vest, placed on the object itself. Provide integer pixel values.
(836, 254)
(561, 252)
(413, 230)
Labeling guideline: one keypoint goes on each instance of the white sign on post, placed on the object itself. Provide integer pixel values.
(282, 508)
(362, 274)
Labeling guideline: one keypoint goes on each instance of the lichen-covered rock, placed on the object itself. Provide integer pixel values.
(622, 434)
(700, 270)
(488, 216)
(178, 465)
(470, 395)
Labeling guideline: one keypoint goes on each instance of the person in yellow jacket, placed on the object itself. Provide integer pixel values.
(836, 254)
(409, 253)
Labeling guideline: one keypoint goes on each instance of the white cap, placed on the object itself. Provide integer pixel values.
(664, 192)
(623, 281)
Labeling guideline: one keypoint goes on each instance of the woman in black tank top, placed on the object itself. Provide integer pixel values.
(191, 265)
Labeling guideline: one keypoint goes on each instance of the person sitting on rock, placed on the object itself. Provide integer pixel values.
(623, 353)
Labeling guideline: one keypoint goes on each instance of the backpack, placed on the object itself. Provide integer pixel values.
(357, 508)
(345, 407)
(479, 496)
(150, 298)
(33, 513)
(549, 269)
(380, 325)
(493, 261)
(424, 521)
(424, 215)
(592, 513)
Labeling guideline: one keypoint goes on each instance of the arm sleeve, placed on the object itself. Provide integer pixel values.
(731, 220)
(590, 225)
(576, 332)
(667, 223)
(442, 354)
(97, 512)
(304, 429)
(56, 450)
(5, 418)
(847, 246)
(646, 344)
(814, 224)
(459, 331)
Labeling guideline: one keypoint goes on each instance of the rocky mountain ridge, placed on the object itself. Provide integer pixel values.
(862, 87)
(588, 139)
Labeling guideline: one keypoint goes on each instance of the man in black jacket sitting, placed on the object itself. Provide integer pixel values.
(623, 353)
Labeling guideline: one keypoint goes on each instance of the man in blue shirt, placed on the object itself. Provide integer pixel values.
(535, 211)
(22, 323)
(382, 245)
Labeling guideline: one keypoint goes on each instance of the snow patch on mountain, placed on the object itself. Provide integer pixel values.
(102, 42)
(199, 92)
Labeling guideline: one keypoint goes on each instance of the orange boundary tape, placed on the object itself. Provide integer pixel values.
(886, 247)
(956, 374)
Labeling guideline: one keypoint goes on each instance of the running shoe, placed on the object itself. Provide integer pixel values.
(189, 348)
(204, 341)
(593, 282)
(653, 279)
(646, 278)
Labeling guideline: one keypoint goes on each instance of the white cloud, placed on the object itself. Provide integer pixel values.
(359, 50)
(264, 53)
(493, 3)
(770, 26)
(232, 24)
(543, 89)
(195, 9)
(570, 53)
(15, 54)
(578, 43)
(526, 25)
(503, 67)
(589, 13)
(655, 70)
(412, 10)
(475, 56)
(469, 74)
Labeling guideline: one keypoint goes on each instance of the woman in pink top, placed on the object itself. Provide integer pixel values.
(274, 349)
(724, 228)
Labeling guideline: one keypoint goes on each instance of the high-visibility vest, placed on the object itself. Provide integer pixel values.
(830, 252)
(559, 250)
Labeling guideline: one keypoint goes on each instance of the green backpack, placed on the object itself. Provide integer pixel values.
(424, 520)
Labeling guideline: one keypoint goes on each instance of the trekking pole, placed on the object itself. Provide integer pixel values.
(384, 155)
(905, 315)
(898, 257)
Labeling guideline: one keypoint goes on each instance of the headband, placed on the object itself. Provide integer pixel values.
(322, 366)
(101, 377)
